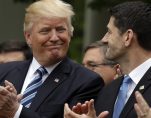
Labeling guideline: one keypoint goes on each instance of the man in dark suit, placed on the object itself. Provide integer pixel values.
(48, 32)
(129, 43)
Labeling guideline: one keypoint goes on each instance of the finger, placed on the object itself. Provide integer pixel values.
(138, 110)
(103, 114)
(84, 108)
(77, 109)
(66, 108)
(68, 113)
(141, 102)
(8, 88)
(3, 91)
(7, 83)
(19, 97)
(74, 109)
(91, 109)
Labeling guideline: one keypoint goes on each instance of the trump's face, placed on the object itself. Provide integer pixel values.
(49, 40)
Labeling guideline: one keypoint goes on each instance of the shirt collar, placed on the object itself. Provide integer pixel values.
(137, 73)
(35, 65)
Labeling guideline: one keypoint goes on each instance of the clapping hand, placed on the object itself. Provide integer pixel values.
(85, 110)
(9, 100)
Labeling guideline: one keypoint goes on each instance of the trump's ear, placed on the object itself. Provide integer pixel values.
(71, 32)
(28, 38)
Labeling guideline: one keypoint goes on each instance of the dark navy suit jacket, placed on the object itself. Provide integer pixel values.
(76, 84)
(107, 97)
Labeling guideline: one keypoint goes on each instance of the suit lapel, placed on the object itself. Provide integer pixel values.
(58, 75)
(20, 77)
(142, 86)
(17, 74)
(113, 96)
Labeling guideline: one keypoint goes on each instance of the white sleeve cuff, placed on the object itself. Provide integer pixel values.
(18, 111)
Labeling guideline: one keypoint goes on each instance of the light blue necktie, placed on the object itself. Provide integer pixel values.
(32, 88)
(118, 107)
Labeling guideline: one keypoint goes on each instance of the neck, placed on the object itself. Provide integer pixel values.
(131, 61)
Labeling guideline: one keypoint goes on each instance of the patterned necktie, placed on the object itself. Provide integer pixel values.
(118, 107)
(32, 88)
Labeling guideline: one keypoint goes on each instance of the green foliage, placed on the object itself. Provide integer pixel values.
(75, 49)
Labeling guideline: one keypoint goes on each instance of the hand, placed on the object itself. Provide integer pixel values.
(10, 87)
(141, 107)
(81, 108)
(103, 114)
(68, 113)
(8, 100)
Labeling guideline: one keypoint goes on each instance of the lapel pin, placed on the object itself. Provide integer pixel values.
(141, 87)
(56, 80)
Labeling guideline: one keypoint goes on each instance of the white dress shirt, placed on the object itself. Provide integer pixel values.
(30, 75)
(136, 75)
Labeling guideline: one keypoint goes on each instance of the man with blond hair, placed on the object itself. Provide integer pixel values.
(50, 79)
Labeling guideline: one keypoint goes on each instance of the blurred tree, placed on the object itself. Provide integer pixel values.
(75, 51)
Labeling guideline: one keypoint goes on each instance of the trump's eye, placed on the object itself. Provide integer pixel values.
(61, 29)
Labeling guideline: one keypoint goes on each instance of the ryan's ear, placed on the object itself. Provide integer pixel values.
(128, 37)
(28, 38)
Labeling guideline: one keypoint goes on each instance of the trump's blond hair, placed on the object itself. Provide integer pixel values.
(48, 9)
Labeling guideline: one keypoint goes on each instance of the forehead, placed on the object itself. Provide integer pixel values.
(94, 54)
(111, 22)
(51, 22)
(112, 27)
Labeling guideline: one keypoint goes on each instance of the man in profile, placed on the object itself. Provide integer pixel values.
(128, 41)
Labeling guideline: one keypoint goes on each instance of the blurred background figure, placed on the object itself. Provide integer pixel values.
(14, 50)
(94, 59)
